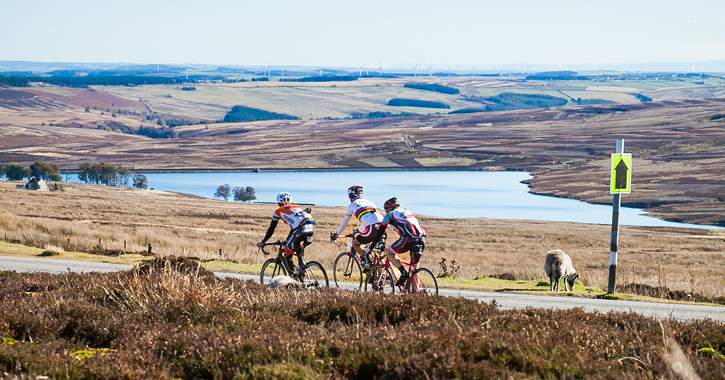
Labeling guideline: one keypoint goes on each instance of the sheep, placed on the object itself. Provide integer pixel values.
(284, 282)
(558, 265)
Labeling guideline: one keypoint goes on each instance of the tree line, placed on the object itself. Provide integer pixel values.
(242, 113)
(38, 170)
(401, 102)
(13, 81)
(241, 194)
(111, 175)
(102, 80)
(433, 87)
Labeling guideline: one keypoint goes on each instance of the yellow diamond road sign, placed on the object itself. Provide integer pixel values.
(621, 177)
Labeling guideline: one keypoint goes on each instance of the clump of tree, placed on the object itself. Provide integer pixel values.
(188, 89)
(38, 170)
(433, 87)
(260, 79)
(244, 194)
(586, 102)
(380, 115)
(14, 171)
(104, 173)
(223, 191)
(156, 133)
(242, 113)
(46, 171)
(13, 82)
(512, 101)
(240, 194)
(140, 181)
(643, 98)
(468, 110)
(401, 102)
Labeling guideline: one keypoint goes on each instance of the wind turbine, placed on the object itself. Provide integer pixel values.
(380, 68)
(459, 70)
(473, 70)
(415, 74)
(430, 69)
(449, 71)
(359, 67)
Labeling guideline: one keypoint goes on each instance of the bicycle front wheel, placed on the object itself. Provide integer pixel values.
(380, 280)
(270, 269)
(347, 270)
(314, 276)
(422, 282)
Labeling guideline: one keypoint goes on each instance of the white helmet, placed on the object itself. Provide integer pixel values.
(283, 198)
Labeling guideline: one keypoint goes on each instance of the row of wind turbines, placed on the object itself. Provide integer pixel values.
(503, 70)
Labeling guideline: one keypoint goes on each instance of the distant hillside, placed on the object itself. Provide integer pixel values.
(242, 113)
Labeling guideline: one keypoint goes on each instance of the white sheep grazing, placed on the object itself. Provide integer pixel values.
(558, 266)
(284, 282)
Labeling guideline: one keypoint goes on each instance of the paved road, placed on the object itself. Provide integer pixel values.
(504, 300)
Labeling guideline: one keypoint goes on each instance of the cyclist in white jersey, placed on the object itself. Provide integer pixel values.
(368, 215)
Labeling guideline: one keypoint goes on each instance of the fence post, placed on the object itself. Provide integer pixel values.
(614, 246)
(149, 248)
(124, 246)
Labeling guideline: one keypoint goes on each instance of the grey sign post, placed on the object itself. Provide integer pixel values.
(620, 182)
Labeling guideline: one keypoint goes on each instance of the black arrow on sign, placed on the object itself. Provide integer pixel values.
(621, 175)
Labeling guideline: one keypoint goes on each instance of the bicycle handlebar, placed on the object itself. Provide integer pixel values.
(278, 242)
(350, 235)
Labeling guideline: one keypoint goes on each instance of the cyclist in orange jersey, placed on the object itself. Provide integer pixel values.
(301, 228)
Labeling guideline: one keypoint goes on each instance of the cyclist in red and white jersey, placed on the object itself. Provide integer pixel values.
(368, 215)
(301, 227)
(412, 236)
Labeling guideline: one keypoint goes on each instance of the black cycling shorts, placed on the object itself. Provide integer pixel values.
(297, 237)
(371, 234)
(406, 243)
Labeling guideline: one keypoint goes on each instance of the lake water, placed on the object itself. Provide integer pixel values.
(454, 194)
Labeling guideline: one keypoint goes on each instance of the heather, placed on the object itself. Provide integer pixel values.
(170, 319)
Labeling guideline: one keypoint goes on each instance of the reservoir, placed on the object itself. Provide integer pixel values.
(451, 194)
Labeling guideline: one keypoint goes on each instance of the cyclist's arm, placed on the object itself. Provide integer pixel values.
(270, 230)
(378, 234)
(345, 220)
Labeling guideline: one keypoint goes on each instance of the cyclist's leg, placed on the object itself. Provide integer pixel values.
(416, 252)
(365, 237)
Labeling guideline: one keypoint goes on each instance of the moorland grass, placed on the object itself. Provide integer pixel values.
(164, 323)
(90, 219)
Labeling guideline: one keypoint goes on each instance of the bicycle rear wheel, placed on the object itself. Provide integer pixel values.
(380, 280)
(422, 282)
(314, 276)
(270, 269)
(347, 270)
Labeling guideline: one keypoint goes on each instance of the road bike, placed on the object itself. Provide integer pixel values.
(312, 274)
(383, 278)
(350, 267)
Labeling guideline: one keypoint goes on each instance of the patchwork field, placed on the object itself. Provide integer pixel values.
(678, 145)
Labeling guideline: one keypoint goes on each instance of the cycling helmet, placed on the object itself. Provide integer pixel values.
(354, 191)
(283, 198)
(391, 204)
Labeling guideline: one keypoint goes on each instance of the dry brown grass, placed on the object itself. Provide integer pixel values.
(91, 218)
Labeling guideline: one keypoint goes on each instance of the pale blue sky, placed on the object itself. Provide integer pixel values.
(342, 33)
